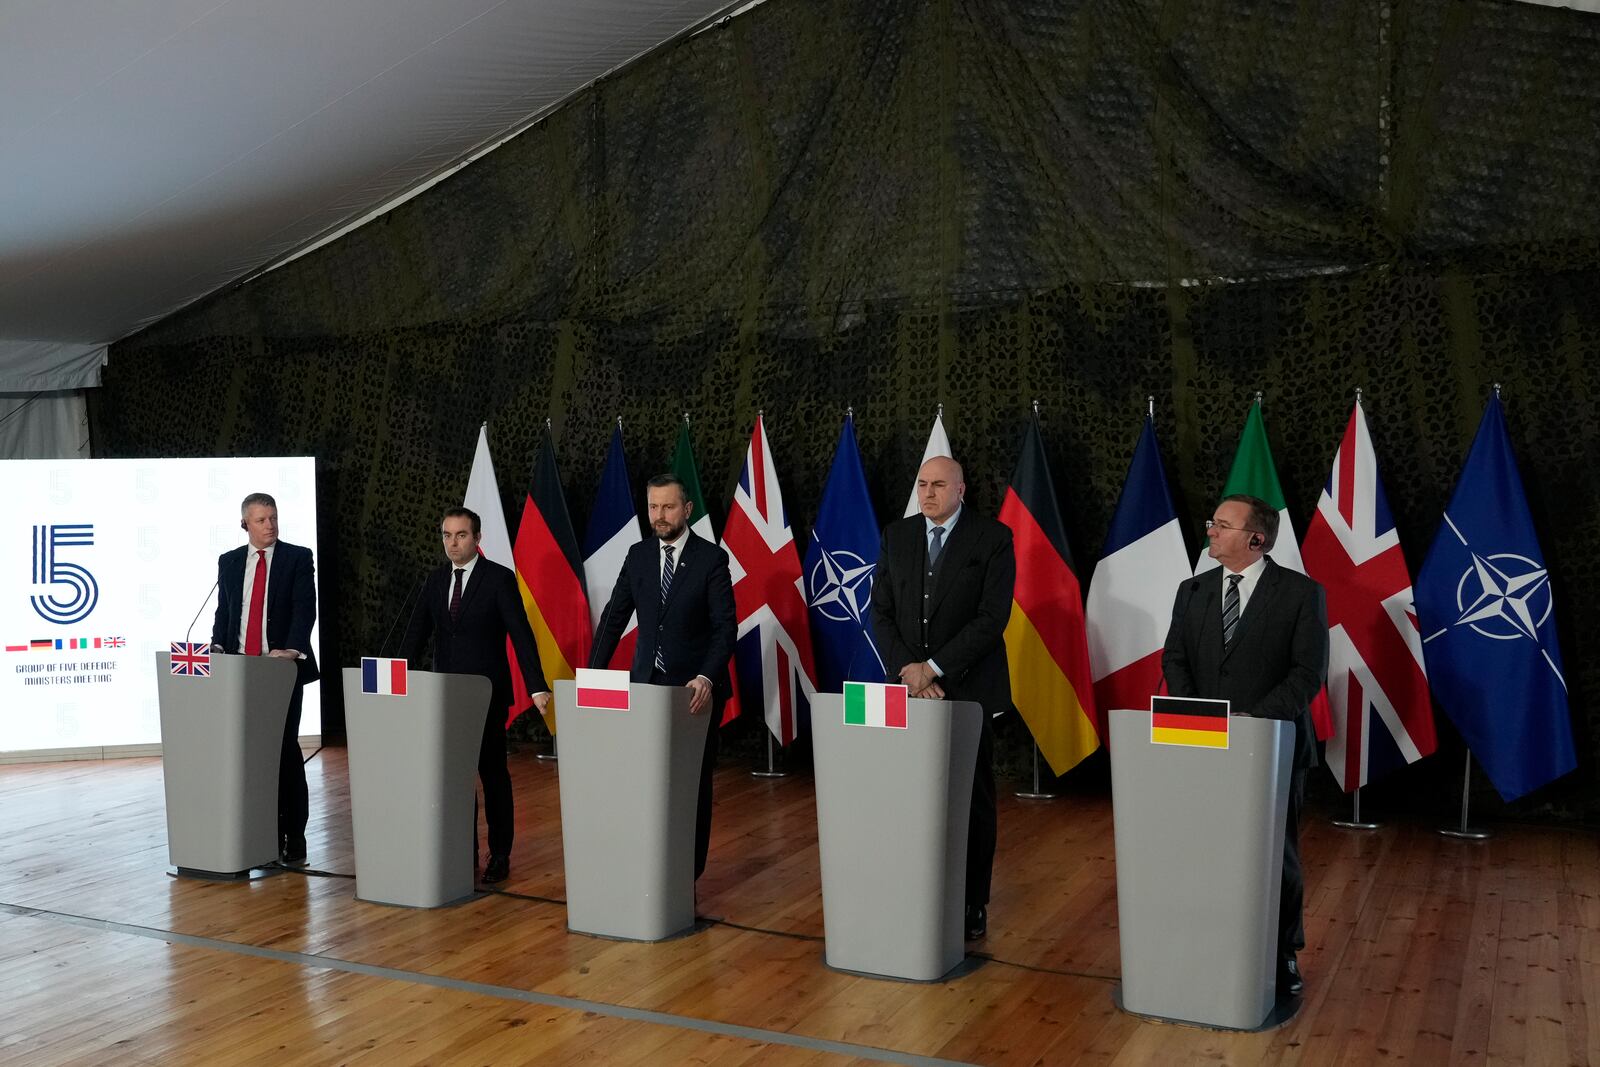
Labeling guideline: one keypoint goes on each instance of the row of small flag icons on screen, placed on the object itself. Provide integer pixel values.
(40, 644)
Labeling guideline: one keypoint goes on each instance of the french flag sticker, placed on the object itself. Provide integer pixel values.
(383, 677)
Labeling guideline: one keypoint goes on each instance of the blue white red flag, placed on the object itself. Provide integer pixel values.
(774, 663)
(383, 677)
(1130, 598)
(613, 529)
(191, 659)
(839, 566)
(1486, 609)
(1377, 685)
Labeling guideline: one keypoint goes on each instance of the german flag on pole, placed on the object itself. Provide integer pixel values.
(550, 575)
(1045, 640)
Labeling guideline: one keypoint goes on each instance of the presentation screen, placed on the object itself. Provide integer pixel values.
(106, 562)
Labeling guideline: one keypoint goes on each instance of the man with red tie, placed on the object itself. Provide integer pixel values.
(266, 605)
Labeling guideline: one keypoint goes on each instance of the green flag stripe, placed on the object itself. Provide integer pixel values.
(855, 704)
(684, 467)
(1253, 471)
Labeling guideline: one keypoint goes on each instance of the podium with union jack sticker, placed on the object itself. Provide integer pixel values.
(221, 734)
(413, 747)
(894, 792)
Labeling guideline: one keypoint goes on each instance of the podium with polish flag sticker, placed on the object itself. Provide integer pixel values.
(413, 748)
(221, 732)
(894, 791)
(630, 780)
(1199, 801)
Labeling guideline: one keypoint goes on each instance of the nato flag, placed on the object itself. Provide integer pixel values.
(839, 567)
(1484, 605)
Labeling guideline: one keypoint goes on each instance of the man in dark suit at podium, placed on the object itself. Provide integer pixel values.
(941, 599)
(680, 586)
(470, 606)
(266, 605)
(1256, 634)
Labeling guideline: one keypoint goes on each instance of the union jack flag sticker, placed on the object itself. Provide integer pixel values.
(192, 659)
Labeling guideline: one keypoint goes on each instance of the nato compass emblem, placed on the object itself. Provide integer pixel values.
(1504, 597)
(841, 586)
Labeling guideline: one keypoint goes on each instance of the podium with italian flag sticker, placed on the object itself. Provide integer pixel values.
(1199, 804)
(630, 779)
(894, 789)
(413, 749)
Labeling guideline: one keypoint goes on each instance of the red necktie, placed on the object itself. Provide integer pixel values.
(258, 606)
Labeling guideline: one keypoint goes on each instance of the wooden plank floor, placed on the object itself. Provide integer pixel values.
(1422, 949)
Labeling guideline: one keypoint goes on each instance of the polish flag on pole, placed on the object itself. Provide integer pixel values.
(938, 445)
(483, 497)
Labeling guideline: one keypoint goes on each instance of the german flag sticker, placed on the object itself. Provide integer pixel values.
(1189, 721)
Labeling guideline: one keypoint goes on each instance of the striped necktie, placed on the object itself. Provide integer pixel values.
(1230, 609)
(666, 587)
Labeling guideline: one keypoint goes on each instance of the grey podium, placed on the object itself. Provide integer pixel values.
(892, 808)
(1199, 840)
(413, 759)
(630, 781)
(221, 736)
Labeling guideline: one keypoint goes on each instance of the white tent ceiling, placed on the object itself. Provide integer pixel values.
(153, 151)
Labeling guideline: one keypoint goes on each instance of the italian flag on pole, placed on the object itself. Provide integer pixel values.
(1254, 473)
(875, 704)
(683, 466)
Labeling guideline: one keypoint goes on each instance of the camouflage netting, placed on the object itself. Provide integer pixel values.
(896, 205)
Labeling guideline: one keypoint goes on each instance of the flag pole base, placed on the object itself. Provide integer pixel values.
(772, 769)
(1038, 792)
(1465, 833)
(551, 755)
(1347, 824)
(1355, 821)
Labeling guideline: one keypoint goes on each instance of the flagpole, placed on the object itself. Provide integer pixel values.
(1464, 831)
(1354, 821)
(1038, 793)
(772, 770)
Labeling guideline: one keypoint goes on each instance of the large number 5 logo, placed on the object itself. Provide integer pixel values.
(49, 570)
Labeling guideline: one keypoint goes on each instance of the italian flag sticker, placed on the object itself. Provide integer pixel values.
(875, 704)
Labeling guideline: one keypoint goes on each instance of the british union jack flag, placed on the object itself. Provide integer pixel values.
(191, 658)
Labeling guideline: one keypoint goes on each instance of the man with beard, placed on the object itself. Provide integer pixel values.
(680, 586)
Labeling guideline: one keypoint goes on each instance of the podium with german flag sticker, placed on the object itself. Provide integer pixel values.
(1199, 801)
(894, 790)
(413, 747)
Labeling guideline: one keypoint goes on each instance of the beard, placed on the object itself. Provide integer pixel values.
(669, 533)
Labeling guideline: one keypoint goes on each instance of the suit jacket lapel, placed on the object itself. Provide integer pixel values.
(956, 551)
(687, 556)
(1260, 601)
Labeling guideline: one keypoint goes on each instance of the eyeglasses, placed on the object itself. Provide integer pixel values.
(1219, 524)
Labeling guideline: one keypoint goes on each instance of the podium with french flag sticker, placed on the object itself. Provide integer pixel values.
(630, 779)
(1199, 802)
(413, 749)
(894, 790)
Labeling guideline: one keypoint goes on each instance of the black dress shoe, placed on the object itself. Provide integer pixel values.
(292, 848)
(1289, 980)
(977, 922)
(498, 869)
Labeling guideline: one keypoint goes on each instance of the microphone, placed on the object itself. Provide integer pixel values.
(414, 590)
(201, 608)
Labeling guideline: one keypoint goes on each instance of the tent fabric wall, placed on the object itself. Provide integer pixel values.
(46, 425)
(894, 205)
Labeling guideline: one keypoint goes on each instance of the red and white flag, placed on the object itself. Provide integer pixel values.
(483, 497)
(1377, 684)
(775, 664)
(603, 689)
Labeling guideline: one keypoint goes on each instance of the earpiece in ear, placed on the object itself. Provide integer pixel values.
(1255, 540)
(243, 525)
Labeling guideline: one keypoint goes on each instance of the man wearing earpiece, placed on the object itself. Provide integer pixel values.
(266, 605)
(1256, 634)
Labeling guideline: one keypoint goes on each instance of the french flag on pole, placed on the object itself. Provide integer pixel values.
(383, 677)
(875, 704)
(600, 690)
